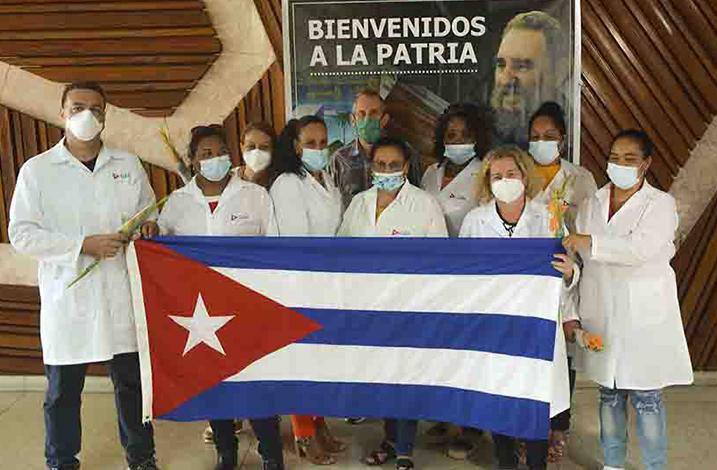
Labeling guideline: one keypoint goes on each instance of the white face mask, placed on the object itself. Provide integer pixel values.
(544, 152)
(507, 189)
(257, 159)
(83, 125)
(624, 177)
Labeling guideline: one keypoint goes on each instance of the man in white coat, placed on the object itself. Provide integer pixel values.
(628, 295)
(68, 204)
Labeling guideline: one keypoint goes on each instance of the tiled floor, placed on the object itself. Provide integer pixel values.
(692, 428)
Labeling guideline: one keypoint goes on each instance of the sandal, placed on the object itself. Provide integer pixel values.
(558, 442)
(380, 456)
(327, 440)
(309, 449)
(404, 463)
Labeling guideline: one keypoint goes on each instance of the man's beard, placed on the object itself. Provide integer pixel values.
(512, 107)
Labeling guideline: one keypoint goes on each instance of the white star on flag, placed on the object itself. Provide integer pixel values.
(202, 328)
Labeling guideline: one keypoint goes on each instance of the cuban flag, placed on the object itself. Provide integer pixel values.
(463, 330)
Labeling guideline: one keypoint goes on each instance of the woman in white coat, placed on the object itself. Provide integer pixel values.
(548, 144)
(306, 200)
(460, 141)
(507, 183)
(574, 185)
(628, 294)
(307, 203)
(257, 148)
(393, 207)
(215, 202)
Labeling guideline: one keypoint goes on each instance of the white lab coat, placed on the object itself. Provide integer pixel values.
(414, 213)
(580, 187)
(485, 222)
(458, 197)
(628, 292)
(244, 209)
(57, 203)
(304, 207)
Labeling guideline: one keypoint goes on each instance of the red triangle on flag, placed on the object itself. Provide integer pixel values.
(171, 286)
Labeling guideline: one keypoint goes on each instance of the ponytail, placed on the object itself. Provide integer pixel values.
(287, 160)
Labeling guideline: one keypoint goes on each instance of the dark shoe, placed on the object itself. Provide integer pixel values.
(272, 466)
(459, 448)
(404, 463)
(149, 464)
(355, 421)
(69, 466)
(226, 461)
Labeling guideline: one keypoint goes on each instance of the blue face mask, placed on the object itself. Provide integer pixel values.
(389, 182)
(215, 169)
(315, 160)
(459, 153)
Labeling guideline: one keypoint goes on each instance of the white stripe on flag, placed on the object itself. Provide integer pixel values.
(523, 295)
(497, 374)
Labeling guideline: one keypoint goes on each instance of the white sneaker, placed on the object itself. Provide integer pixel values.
(612, 468)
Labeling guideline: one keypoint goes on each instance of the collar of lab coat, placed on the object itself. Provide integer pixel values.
(62, 155)
(531, 210)
(192, 189)
(403, 194)
(636, 202)
(465, 173)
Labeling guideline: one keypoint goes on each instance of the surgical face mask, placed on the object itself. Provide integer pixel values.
(257, 159)
(544, 152)
(314, 159)
(624, 177)
(389, 182)
(369, 129)
(215, 169)
(507, 189)
(84, 125)
(459, 153)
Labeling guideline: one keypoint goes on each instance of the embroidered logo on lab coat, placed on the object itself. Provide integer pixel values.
(120, 176)
(239, 216)
(396, 232)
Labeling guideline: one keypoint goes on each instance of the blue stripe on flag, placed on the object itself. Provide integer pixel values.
(373, 255)
(502, 334)
(522, 418)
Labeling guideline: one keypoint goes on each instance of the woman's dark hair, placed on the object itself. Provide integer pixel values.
(390, 142)
(202, 132)
(554, 112)
(639, 136)
(285, 158)
(476, 120)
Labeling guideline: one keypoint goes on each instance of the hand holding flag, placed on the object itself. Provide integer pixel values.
(127, 231)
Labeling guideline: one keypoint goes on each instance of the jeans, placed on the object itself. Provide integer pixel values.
(651, 426)
(508, 459)
(402, 434)
(266, 431)
(63, 429)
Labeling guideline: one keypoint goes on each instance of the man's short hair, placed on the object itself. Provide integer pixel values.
(85, 85)
(391, 142)
(538, 21)
(639, 136)
(371, 93)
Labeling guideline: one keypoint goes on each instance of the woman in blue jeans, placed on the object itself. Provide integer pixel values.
(628, 295)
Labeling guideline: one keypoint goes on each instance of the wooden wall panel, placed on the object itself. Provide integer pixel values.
(140, 46)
